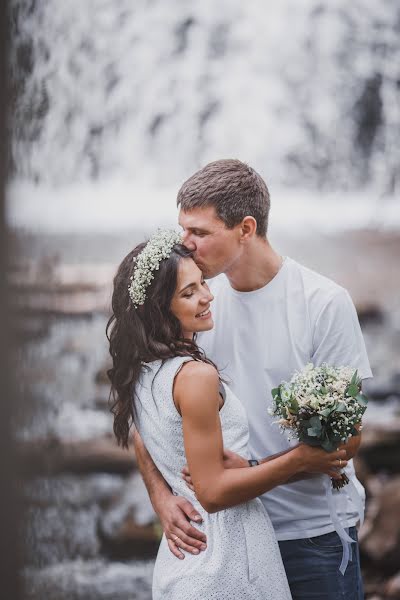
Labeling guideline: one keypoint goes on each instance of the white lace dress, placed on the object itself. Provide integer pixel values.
(242, 560)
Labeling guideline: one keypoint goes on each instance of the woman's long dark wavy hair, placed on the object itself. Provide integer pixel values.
(141, 335)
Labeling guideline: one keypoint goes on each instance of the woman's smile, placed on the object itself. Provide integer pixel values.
(205, 314)
(192, 299)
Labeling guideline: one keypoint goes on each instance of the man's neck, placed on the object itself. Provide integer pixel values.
(256, 267)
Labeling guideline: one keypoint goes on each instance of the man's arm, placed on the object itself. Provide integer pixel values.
(174, 512)
(338, 340)
(154, 481)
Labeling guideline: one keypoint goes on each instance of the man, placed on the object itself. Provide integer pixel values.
(272, 316)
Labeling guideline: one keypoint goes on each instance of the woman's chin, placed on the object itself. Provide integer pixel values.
(205, 325)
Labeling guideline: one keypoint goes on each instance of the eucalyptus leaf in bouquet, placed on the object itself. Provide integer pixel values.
(322, 406)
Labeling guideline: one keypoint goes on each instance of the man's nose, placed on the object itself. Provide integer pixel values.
(188, 241)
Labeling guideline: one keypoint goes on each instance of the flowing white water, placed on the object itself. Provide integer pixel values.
(137, 96)
(113, 206)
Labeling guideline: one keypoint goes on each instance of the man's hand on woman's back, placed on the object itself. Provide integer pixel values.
(175, 514)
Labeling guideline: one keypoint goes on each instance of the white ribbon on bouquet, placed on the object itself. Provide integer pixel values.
(351, 491)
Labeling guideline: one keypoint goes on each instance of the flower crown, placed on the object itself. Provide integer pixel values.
(157, 249)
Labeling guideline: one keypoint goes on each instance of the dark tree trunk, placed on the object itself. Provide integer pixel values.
(9, 501)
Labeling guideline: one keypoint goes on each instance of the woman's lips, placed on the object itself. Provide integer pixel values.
(204, 314)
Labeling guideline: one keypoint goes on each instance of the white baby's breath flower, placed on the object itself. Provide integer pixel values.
(158, 248)
(321, 392)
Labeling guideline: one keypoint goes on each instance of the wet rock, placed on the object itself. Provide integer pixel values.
(74, 345)
(382, 457)
(57, 374)
(66, 303)
(59, 532)
(49, 275)
(128, 527)
(380, 537)
(101, 376)
(383, 388)
(68, 289)
(373, 587)
(73, 490)
(62, 516)
(380, 446)
(132, 541)
(377, 588)
(66, 423)
(392, 588)
(81, 456)
(101, 401)
(89, 580)
(374, 434)
(369, 313)
(29, 327)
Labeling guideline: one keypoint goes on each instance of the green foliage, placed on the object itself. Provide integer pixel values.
(352, 390)
(294, 405)
(362, 399)
(314, 410)
(276, 393)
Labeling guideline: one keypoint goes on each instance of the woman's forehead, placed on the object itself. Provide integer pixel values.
(188, 270)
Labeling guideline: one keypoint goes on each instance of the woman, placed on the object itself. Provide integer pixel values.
(164, 384)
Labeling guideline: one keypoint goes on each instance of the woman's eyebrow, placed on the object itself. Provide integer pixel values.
(187, 286)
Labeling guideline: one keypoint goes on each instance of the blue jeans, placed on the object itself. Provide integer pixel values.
(312, 568)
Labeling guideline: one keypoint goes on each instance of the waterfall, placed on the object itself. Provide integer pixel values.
(306, 91)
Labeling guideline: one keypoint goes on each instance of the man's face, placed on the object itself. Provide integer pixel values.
(216, 248)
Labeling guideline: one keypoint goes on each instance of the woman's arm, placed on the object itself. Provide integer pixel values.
(235, 461)
(196, 395)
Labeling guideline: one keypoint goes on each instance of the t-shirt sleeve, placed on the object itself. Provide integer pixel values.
(337, 338)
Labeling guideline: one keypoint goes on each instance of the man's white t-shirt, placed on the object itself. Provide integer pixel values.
(260, 339)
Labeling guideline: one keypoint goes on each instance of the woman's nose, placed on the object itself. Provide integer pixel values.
(208, 297)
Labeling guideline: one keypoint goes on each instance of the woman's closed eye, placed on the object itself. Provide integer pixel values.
(191, 290)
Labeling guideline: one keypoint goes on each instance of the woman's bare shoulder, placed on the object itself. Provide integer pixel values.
(197, 368)
(196, 377)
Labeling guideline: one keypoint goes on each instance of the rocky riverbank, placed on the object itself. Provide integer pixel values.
(90, 531)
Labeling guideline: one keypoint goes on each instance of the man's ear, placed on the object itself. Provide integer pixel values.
(248, 228)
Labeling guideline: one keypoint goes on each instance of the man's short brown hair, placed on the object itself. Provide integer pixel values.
(233, 188)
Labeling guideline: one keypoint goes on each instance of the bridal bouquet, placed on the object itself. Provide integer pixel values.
(322, 406)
